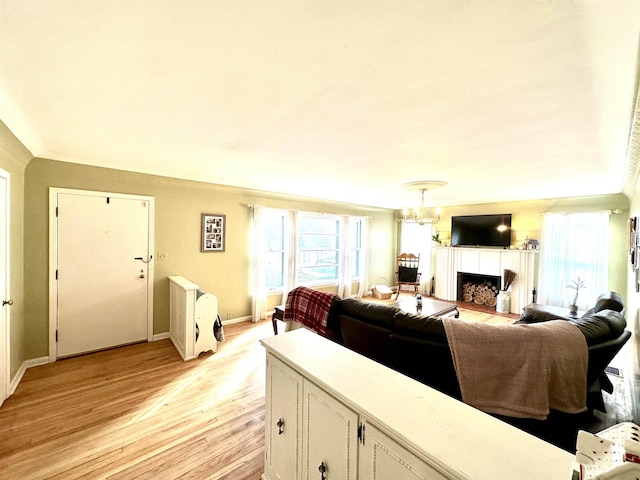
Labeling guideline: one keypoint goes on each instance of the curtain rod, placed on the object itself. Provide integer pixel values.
(610, 212)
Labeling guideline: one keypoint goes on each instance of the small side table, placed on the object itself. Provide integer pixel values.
(278, 314)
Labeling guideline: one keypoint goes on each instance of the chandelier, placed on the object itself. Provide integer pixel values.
(419, 215)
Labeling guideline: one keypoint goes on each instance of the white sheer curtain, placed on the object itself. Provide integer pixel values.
(573, 245)
(364, 259)
(291, 253)
(416, 239)
(345, 275)
(259, 299)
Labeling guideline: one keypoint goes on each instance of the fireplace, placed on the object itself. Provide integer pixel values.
(480, 289)
(485, 262)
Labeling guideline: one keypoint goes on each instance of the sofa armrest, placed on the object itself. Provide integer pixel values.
(537, 315)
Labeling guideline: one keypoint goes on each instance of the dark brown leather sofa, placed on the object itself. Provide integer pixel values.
(603, 327)
(417, 347)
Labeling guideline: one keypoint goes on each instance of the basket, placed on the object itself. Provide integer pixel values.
(381, 291)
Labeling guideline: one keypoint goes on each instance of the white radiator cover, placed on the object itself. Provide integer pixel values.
(189, 306)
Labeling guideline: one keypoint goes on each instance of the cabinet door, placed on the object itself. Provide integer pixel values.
(382, 458)
(283, 421)
(330, 437)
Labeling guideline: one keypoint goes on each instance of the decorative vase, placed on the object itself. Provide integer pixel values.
(503, 304)
(573, 310)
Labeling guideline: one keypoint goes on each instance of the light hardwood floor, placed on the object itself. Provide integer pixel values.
(141, 412)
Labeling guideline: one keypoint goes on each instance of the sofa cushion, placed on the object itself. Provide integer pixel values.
(533, 315)
(381, 315)
(419, 326)
(366, 338)
(600, 327)
(426, 361)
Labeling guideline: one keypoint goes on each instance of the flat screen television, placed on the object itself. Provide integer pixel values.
(481, 231)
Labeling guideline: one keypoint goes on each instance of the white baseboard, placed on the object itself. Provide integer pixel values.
(34, 362)
(248, 318)
(165, 335)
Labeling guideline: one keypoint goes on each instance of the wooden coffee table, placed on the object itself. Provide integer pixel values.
(430, 307)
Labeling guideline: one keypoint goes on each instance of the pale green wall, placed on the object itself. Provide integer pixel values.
(13, 158)
(178, 206)
(527, 219)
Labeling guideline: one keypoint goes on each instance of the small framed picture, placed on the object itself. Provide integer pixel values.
(213, 236)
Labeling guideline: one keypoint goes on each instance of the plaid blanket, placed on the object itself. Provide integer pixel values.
(309, 308)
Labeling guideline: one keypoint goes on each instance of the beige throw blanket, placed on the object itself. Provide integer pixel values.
(520, 370)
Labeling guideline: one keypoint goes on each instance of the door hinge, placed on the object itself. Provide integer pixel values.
(57, 211)
(56, 335)
(56, 274)
(361, 433)
(108, 200)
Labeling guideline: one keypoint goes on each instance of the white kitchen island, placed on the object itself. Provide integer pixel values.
(333, 414)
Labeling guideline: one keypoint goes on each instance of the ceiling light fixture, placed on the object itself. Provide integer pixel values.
(415, 215)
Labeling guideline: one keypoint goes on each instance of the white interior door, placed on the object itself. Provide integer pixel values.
(103, 272)
(4, 286)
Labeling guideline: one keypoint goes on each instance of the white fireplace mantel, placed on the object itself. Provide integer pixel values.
(485, 261)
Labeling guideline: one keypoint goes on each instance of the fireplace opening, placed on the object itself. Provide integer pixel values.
(480, 289)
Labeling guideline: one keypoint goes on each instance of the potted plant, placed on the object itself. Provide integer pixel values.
(576, 285)
(437, 241)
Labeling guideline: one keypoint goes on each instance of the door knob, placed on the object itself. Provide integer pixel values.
(7, 302)
(142, 275)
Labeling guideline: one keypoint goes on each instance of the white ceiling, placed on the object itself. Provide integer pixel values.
(345, 100)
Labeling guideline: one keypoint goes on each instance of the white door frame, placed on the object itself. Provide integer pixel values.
(53, 259)
(5, 338)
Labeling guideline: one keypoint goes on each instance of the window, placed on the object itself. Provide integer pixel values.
(324, 251)
(274, 249)
(318, 249)
(574, 245)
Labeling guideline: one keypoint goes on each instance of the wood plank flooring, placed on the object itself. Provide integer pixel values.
(141, 412)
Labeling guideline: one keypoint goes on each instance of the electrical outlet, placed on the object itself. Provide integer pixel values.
(164, 256)
(228, 315)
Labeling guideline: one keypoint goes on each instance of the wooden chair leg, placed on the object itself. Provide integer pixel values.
(278, 314)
